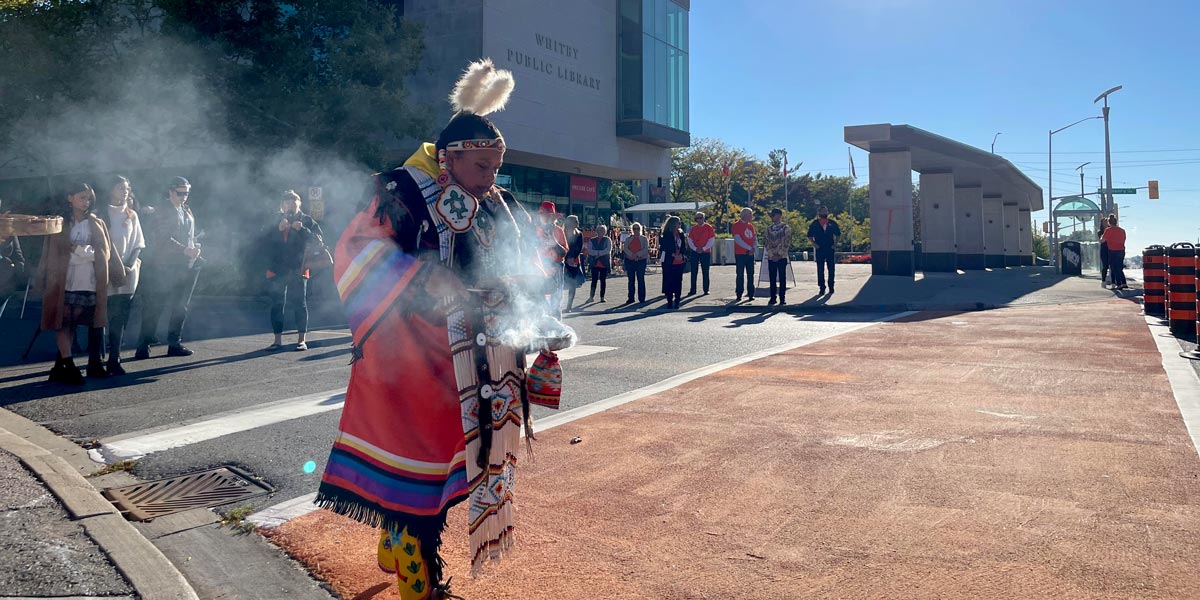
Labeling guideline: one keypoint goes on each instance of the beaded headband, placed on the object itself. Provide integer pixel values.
(485, 144)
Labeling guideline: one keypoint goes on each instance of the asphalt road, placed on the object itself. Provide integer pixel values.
(235, 374)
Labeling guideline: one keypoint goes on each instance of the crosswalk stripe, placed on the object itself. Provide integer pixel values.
(135, 445)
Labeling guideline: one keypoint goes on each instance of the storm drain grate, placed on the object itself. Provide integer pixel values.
(205, 489)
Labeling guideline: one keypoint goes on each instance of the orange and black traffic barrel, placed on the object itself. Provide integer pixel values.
(1154, 276)
(1181, 288)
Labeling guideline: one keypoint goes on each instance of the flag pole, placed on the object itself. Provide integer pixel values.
(853, 179)
(785, 181)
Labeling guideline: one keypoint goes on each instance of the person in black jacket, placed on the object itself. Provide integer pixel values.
(673, 246)
(169, 269)
(823, 232)
(285, 247)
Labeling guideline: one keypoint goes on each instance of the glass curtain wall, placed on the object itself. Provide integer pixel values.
(653, 66)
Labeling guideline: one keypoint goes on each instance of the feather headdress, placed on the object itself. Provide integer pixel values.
(483, 89)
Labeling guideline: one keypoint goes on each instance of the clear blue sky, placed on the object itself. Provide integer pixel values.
(779, 73)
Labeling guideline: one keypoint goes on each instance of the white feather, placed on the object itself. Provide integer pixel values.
(499, 87)
(471, 85)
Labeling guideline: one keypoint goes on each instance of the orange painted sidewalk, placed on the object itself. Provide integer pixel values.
(1017, 453)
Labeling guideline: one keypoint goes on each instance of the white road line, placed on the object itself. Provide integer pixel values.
(135, 445)
(1185, 384)
(283, 512)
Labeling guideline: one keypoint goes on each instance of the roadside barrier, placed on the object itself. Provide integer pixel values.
(1154, 274)
(1181, 288)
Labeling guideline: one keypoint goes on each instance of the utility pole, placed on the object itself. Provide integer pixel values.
(1107, 206)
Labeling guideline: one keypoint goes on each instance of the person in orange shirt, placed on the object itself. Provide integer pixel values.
(553, 241)
(700, 240)
(745, 240)
(636, 250)
(1114, 237)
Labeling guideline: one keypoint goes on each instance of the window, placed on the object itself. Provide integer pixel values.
(653, 72)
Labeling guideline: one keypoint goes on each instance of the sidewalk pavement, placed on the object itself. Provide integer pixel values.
(1031, 452)
(61, 537)
(858, 290)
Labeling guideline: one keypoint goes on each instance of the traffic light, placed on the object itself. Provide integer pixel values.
(1153, 185)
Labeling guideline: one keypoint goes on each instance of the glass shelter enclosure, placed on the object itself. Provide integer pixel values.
(1077, 218)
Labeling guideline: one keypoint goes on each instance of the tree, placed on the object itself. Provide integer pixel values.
(110, 84)
(1041, 246)
(698, 175)
(620, 196)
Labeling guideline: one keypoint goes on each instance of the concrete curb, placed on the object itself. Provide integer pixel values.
(150, 574)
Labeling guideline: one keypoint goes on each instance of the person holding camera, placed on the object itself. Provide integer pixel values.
(287, 241)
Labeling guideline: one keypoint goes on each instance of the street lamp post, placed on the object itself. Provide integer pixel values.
(1108, 201)
(994, 141)
(1080, 169)
(1050, 189)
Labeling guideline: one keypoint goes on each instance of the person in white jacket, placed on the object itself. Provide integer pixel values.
(125, 232)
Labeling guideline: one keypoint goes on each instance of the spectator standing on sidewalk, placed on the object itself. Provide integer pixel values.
(1105, 258)
(600, 256)
(73, 275)
(700, 240)
(779, 243)
(745, 240)
(637, 253)
(12, 266)
(823, 232)
(171, 268)
(287, 240)
(553, 244)
(1114, 237)
(125, 231)
(572, 268)
(674, 251)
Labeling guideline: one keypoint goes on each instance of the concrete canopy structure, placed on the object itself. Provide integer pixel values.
(974, 205)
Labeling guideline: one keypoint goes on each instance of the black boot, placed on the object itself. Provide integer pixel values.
(70, 374)
(95, 366)
(114, 364)
(58, 371)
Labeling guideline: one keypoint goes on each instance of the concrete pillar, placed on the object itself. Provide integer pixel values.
(937, 222)
(968, 227)
(993, 230)
(891, 213)
(1025, 218)
(1012, 235)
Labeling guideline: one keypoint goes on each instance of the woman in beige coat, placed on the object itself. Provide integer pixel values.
(76, 269)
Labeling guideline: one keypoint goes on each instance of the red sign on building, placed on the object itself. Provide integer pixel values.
(583, 188)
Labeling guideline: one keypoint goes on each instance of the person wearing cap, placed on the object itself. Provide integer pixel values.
(700, 240)
(745, 240)
(169, 270)
(441, 292)
(824, 232)
(553, 242)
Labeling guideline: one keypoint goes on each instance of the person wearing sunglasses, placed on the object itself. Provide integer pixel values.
(170, 269)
